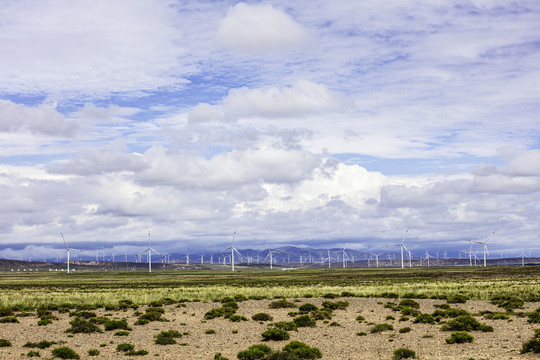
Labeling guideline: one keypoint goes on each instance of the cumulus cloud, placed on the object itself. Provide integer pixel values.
(303, 98)
(260, 28)
(41, 119)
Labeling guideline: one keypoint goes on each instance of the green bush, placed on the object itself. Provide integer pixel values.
(4, 343)
(121, 333)
(214, 313)
(218, 356)
(380, 328)
(42, 344)
(84, 314)
(409, 303)
(330, 296)
(457, 299)
(403, 353)
(409, 311)
(237, 318)
(32, 353)
(305, 308)
(404, 330)
(322, 314)
(93, 352)
(210, 331)
(80, 325)
(275, 334)
(286, 325)
(341, 305)
(460, 337)
(534, 317)
(281, 304)
(262, 317)
(65, 353)
(302, 351)
(424, 319)
(360, 318)
(167, 337)
(9, 319)
(6, 311)
(465, 323)
(304, 321)
(254, 352)
(125, 347)
(240, 297)
(116, 325)
(509, 303)
(496, 316)
(532, 345)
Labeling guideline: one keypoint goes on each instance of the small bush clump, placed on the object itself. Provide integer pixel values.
(167, 337)
(380, 328)
(532, 345)
(304, 321)
(305, 308)
(286, 325)
(465, 323)
(9, 319)
(341, 305)
(93, 352)
(65, 353)
(424, 319)
(262, 317)
(404, 330)
(460, 337)
(403, 353)
(5, 343)
(254, 352)
(275, 334)
(42, 344)
(80, 325)
(209, 331)
(409, 303)
(116, 325)
(457, 299)
(33, 353)
(299, 350)
(281, 304)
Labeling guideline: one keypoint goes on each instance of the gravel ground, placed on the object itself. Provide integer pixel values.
(335, 342)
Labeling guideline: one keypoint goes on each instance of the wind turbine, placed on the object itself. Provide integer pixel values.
(402, 246)
(427, 257)
(68, 250)
(376, 258)
(269, 254)
(523, 256)
(483, 243)
(329, 259)
(233, 249)
(149, 250)
(345, 256)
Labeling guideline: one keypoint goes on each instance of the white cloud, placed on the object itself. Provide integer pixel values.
(260, 28)
(41, 119)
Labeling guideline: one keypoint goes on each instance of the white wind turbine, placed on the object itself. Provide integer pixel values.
(345, 256)
(269, 254)
(68, 250)
(427, 257)
(523, 256)
(149, 251)
(402, 246)
(376, 258)
(329, 259)
(233, 249)
(484, 245)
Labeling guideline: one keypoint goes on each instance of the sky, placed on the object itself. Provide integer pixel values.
(307, 123)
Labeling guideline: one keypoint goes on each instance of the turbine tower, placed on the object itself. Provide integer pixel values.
(68, 250)
(376, 258)
(402, 246)
(269, 254)
(345, 256)
(149, 250)
(329, 259)
(233, 249)
(484, 245)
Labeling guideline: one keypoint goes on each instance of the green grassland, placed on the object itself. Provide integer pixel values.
(103, 288)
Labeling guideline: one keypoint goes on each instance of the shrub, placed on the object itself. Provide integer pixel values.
(254, 352)
(302, 351)
(496, 316)
(286, 325)
(532, 345)
(304, 321)
(93, 352)
(218, 356)
(6, 311)
(381, 327)
(460, 337)
(305, 308)
(137, 353)
(4, 343)
(403, 353)
(80, 325)
(409, 303)
(361, 333)
(330, 296)
(84, 314)
(390, 317)
(32, 353)
(121, 333)
(9, 319)
(262, 317)
(404, 318)
(167, 337)
(237, 318)
(465, 323)
(409, 311)
(534, 317)
(404, 330)
(116, 325)
(125, 347)
(341, 305)
(42, 344)
(457, 299)
(424, 319)
(214, 313)
(281, 304)
(210, 331)
(360, 318)
(240, 297)
(509, 303)
(322, 314)
(65, 353)
(275, 334)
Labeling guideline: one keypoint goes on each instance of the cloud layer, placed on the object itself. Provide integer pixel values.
(297, 123)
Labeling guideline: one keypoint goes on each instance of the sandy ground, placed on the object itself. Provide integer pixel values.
(335, 342)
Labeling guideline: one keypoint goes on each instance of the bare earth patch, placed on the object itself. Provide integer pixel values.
(336, 342)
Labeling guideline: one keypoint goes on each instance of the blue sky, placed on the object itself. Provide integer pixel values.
(298, 123)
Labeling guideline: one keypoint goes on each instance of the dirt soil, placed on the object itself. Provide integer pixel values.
(335, 342)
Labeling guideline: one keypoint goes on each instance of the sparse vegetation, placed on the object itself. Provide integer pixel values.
(465, 323)
(460, 337)
(403, 353)
(380, 328)
(281, 304)
(80, 325)
(65, 352)
(167, 337)
(262, 317)
(275, 334)
(5, 343)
